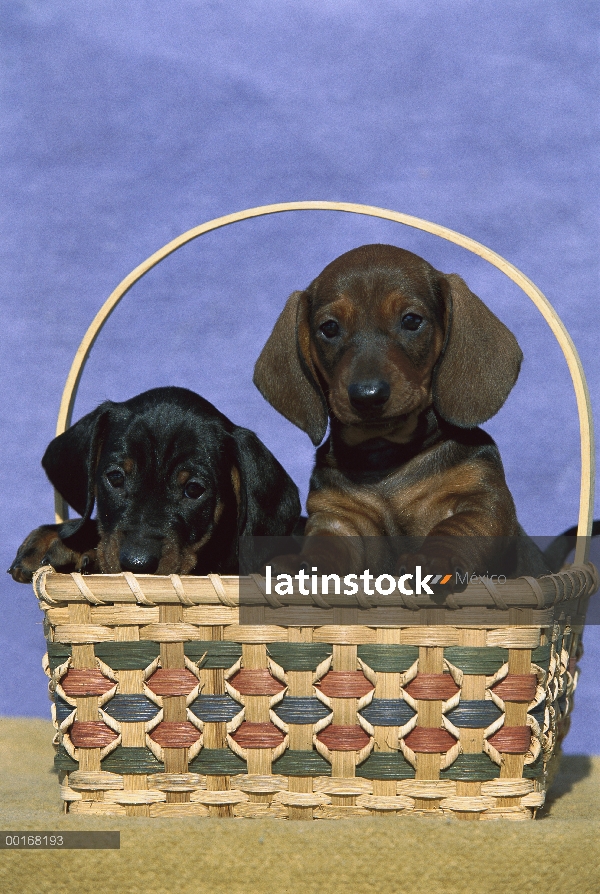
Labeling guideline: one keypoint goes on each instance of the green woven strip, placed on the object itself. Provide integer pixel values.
(138, 655)
(534, 770)
(299, 656)
(388, 658)
(58, 654)
(482, 660)
(488, 659)
(541, 656)
(472, 768)
(64, 761)
(136, 761)
(127, 655)
(302, 763)
(218, 762)
(214, 653)
(386, 765)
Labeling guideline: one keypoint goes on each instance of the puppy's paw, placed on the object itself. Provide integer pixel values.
(289, 564)
(314, 559)
(44, 546)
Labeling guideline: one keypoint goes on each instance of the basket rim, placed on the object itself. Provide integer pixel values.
(553, 320)
(574, 583)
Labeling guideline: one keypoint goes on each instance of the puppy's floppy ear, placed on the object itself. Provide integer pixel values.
(70, 462)
(480, 360)
(284, 373)
(268, 501)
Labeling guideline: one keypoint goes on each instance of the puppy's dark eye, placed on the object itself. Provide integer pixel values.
(412, 322)
(330, 328)
(116, 478)
(193, 490)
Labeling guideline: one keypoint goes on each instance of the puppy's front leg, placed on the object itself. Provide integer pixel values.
(58, 546)
(344, 531)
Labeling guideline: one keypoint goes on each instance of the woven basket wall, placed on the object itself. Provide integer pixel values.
(166, 704)
(171, 699)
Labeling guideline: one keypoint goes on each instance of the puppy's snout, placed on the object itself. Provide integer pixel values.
(369, 395)
(139, 558)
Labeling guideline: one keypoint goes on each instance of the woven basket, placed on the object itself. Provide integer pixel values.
(173, 699)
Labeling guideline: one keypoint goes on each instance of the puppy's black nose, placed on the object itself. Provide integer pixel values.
(369, 395)
(139, 560)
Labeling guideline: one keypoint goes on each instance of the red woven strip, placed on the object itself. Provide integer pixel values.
(256, 681)
(517, 687)
(175, 734)
(258, 735)
(91, 734)
(85, 681)
(345, 684)
(172, 681)
(572, 664)
(511, 739)
(427, 740)
(432, 687)
(343, 738)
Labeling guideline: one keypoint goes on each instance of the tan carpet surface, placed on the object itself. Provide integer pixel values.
(559, 852)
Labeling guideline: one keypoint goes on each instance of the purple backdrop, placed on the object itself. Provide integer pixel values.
(126, 124)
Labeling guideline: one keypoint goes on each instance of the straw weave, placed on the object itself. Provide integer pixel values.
(173, 699)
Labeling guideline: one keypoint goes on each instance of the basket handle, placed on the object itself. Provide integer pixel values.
(586, 430)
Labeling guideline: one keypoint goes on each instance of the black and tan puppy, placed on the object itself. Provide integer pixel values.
(175, 484)
(403, 362)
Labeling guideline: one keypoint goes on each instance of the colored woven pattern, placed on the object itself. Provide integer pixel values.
(388, 712)
(541, 656)
(472, 768)
(131, 708)
(436, 720)
(343, 738)
(91, 734)
(63, 709)
(127, 656)
(388, 658)
(301, 710)
(175, 734)
(430, 741)
(258, 735)
(212, 655)
(131, 761)
(80, 683)
(512, 739)
(139, 655)
(538, 713)
(256, 681)
(345, 684)
(302, 763)
(385, 766)
(178, 681)
(432, 687)
(215, 708)
(299, 656)
(218, 762)
(477, 660)
(475, 714)
(536, 770)
(517, 687)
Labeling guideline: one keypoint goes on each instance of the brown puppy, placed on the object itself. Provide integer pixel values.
(404, 362)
